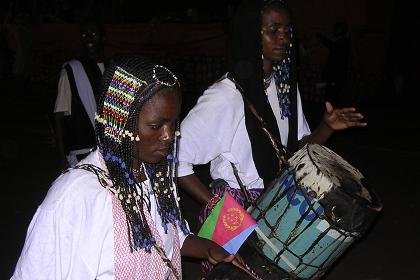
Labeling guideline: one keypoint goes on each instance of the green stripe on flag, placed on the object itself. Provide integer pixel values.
(207, 229)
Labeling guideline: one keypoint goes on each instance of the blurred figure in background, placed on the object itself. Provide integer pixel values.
(78, 91)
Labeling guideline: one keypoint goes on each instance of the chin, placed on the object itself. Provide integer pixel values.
(278, 58)
(155, 159)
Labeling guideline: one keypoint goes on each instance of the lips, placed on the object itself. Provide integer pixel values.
(163, 151)
(279, 50)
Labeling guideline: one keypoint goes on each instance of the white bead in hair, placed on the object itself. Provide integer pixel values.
(155, 77)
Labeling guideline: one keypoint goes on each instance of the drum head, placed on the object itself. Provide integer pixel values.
(348, 201)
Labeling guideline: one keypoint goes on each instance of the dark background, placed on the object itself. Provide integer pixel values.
(37, 37)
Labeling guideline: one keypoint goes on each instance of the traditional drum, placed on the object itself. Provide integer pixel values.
(313, 212)
(306, 219)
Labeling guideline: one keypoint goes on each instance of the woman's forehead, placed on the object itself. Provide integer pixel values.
(275, 15)
(162, 101)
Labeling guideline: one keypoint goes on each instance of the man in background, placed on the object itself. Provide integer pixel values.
(78, 91)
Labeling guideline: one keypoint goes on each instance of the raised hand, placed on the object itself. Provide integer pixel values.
(338, 119)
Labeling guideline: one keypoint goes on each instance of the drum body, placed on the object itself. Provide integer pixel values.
(257, 264)
(310, 215)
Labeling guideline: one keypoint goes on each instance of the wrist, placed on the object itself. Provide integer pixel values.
(327, 126)
(211, 203)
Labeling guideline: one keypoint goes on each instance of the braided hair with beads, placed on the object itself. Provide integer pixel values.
(127, 84)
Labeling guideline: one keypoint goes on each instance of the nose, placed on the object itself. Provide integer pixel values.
(281, 34)
(168, 134)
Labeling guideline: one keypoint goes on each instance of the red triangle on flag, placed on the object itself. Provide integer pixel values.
(233, 220)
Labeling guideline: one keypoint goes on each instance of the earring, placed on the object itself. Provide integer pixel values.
(137, 138)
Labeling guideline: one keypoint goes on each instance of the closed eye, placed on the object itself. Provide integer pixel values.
(155, 126)
(273, 29)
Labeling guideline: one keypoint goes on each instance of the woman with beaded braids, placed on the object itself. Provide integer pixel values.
(116, 214)
(223, 129)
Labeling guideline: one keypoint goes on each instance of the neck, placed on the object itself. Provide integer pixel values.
(97, 56)
(267, 64)
(138, 171)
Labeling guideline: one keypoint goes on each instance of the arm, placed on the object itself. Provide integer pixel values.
(333, 119)
(201, 248)
(206, 133)
(192, 185)
(320, 135)
(49, 252)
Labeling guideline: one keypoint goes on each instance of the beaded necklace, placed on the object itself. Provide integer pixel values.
(281, 74)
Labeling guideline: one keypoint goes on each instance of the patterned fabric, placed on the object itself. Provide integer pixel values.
(84, 89)
(139, 264)
(121, 93)
(218, 188)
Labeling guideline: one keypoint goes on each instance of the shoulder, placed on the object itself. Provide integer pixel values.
(224, 87)
(72, 62)
(222, 93)
(75, 188)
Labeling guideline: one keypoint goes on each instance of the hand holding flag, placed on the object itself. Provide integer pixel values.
(229, 225)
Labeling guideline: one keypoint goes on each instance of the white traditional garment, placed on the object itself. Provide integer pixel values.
(86, 95)
(214, 131)
(63, 101)
(72, 234)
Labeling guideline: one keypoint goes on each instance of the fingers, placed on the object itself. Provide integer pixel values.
(345, 119)
(217, 255)
(359, 124)
(328, 107)
(215, 260)
(229, 258)
(351, 116)
(238, 261)
(346, 110)
(346, 113)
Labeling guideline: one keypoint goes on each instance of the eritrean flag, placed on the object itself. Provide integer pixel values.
(229, 225)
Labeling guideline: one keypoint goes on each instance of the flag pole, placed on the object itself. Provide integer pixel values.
(274, 248)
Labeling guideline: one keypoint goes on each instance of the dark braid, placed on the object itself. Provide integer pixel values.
(246, 67)
(163, 174)
(116, 127)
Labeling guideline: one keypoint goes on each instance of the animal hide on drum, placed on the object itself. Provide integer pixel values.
(340, 188)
